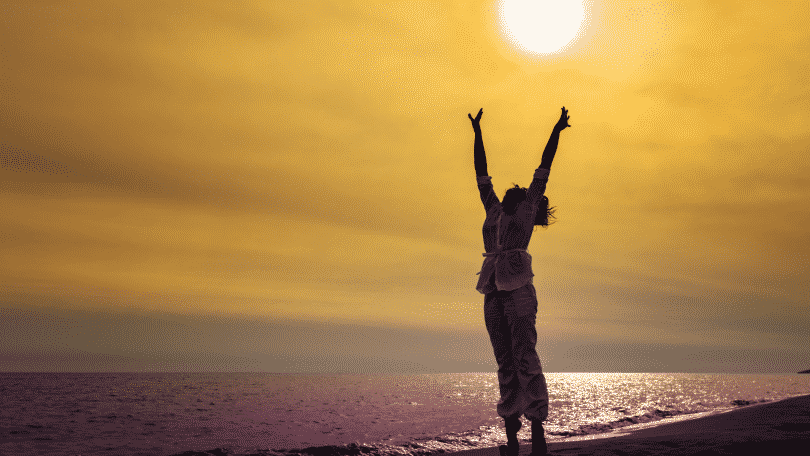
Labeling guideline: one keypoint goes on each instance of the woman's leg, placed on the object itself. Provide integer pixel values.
(500, 335)
(508, 381)
(521, 312)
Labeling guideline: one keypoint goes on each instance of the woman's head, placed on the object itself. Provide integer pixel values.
(516, 195)
(512, 198)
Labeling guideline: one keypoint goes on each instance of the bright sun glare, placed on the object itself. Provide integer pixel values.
(543, 26)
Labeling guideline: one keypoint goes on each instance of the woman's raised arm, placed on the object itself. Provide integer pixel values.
(478, 150)
(551, 146)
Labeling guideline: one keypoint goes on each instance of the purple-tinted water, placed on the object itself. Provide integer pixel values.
(164, 414)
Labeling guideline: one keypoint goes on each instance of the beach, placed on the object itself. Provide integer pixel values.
(774, 428)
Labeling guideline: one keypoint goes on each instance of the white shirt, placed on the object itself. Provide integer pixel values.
(507, 264)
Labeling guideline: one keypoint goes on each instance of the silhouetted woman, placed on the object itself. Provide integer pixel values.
(510, 302)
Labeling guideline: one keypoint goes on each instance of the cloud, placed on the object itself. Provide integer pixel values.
(52, 163)
(23, 161)
(112, 340)
(649, 356)
(118, 341)
(311, 160)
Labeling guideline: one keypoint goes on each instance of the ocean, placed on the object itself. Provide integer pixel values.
(165, 414)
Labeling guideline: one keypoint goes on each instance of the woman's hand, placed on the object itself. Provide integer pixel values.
(551, 146)
(562, 124)
(476, 122)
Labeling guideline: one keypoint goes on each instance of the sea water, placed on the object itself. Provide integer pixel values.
(263, 413)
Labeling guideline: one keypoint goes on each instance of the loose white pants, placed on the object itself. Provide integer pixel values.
(510, 318)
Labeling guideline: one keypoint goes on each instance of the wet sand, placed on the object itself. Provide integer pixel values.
(781, 428)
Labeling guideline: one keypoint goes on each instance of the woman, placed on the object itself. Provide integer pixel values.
(510, 302)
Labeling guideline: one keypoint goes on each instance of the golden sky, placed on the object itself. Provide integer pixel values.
(308, 164)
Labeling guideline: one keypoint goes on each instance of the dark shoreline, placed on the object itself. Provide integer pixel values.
(780, 427)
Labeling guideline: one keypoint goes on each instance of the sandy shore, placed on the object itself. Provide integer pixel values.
(774, 428)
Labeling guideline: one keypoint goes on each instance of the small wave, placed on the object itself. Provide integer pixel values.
(476, 439)
(647, 417)
(460, 441)
(485, 437)
(599, 428)
(420, 446)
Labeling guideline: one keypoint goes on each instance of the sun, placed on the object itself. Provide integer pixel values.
(543, 26)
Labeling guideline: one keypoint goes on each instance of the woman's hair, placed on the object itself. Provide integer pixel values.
(517, 195)
(544, 213)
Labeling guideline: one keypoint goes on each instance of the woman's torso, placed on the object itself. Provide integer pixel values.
(515, 231)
